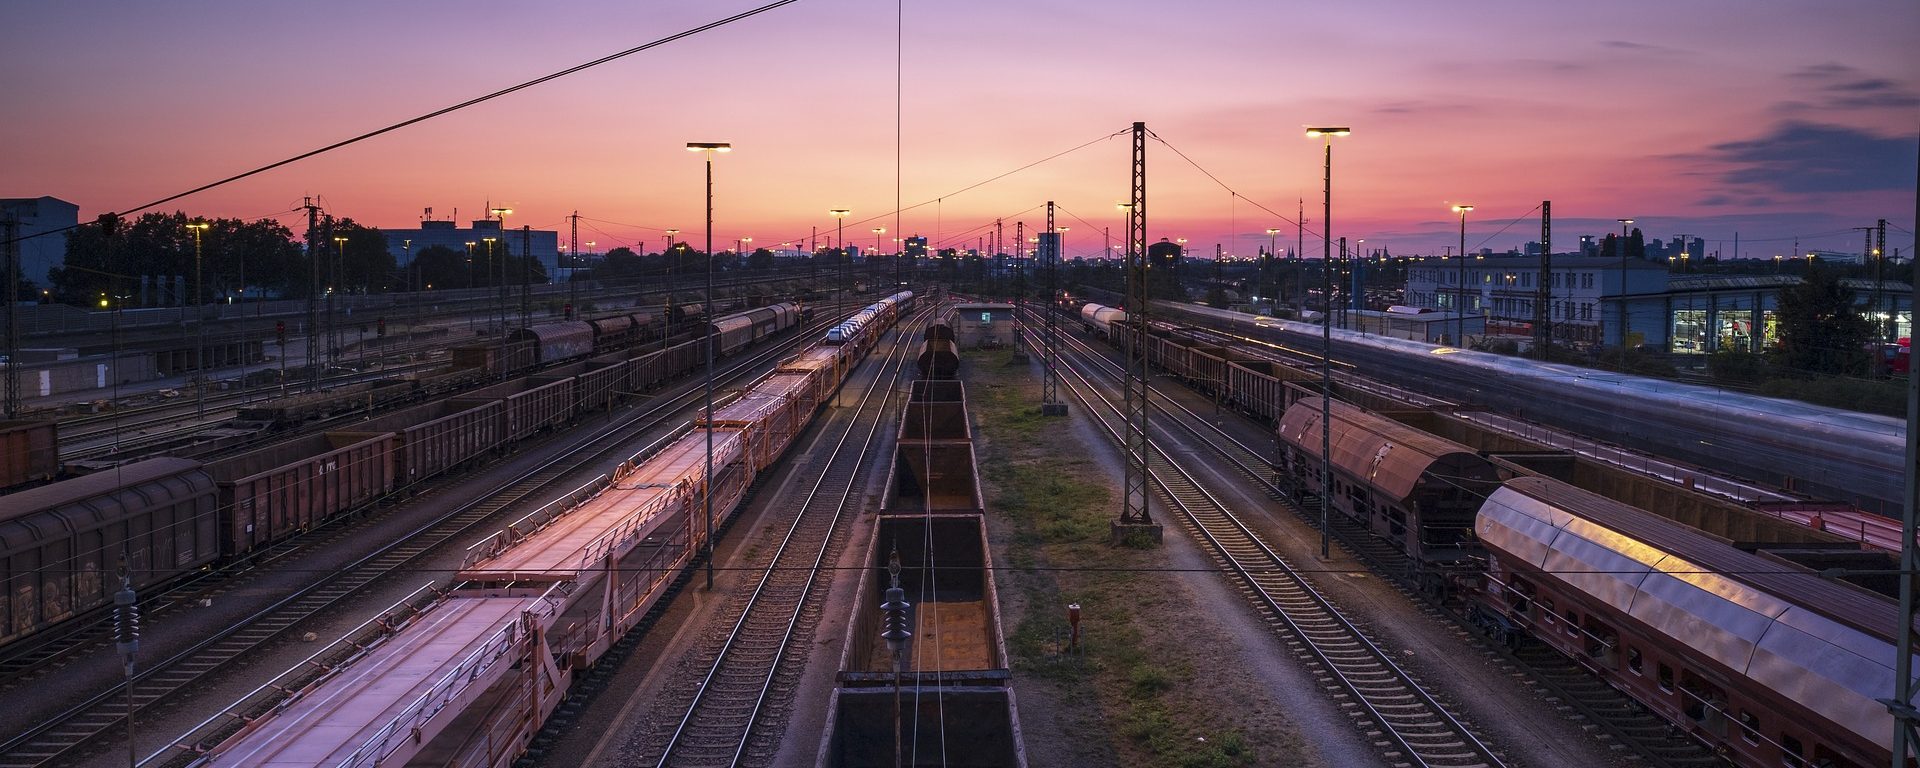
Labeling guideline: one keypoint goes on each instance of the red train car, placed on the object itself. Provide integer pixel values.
(528, 405)
(29, 452)
(283, 489)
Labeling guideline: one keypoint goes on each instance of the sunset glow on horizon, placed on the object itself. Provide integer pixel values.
(1785, 126)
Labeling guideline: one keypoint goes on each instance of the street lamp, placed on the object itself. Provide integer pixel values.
(199, 322)
(840, 236)
(709, 149)
(333, 284)
(1273, 244)
(500, 290)
(1621, 251)
(1460, 310)
(746, 242)
(1326, 135)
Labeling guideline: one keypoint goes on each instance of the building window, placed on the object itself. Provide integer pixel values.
(1689, 335)
(1526, 279)
(1586, 280)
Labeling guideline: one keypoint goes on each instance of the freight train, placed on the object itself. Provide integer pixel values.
(1715, 616)
(1827, 452)
(467, 677)
(61, 544)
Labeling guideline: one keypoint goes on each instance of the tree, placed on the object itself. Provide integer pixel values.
(360, 265)
(1820, 330)
(442, 267)
(760, 259)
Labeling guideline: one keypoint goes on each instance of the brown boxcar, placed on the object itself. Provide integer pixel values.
(61, 544)
(283, 489)
(938, 359)
(527, 406)
(29, 452)
(437, 436)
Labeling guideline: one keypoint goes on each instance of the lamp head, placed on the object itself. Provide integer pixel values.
(839, 213)
(709, 146)
(1462, 208)
(1338, 130)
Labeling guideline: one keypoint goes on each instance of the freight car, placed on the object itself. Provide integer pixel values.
(1765, 661)
(64, 546)
(273, 492)
(938, 359)
(928, 549)
(468, 678)
(1828, 452)
(1703, 632)
(29, 452)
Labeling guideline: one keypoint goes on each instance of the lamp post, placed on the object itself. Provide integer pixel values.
(746, 242)
(491, 300)
(667, 253)
(709, 149)
(1621, 251)
(1273, 287)
(500, 288)
(333, 285)
(840, 236)
(1460, 311)
(1326, 333)
(199, 323)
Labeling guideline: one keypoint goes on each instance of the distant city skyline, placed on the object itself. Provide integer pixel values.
(1707, 118)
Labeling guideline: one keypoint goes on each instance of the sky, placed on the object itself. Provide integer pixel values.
(1781, 123)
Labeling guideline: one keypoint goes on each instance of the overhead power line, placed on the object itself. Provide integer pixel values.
(442, 111)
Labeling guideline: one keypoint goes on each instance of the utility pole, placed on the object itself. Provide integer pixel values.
(1137, 488)
(999, 247)
(10, 230)
(1543, 294)
(1879, 270)
(313, 288)
(1019, 281)
(1300, 247)
(573, 244)
(1050, 403)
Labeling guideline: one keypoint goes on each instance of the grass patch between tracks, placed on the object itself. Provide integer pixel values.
(1133, 698)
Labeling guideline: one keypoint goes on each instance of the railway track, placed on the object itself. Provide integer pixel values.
(64, 737)
(747, 676)
(1558, 679)
(1414, 726)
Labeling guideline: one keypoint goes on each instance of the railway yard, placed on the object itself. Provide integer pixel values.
(541, 549)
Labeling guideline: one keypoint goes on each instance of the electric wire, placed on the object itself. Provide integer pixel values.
(438, 112)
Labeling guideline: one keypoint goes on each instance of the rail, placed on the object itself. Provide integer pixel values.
(739, 726)
(1370, 677)
(167, 677)
(287, 686)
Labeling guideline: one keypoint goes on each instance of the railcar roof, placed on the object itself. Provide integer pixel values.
(1390, 455)
(103, 483)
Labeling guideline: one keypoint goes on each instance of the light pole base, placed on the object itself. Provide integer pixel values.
(1136, 534)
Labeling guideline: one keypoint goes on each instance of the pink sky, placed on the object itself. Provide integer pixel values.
(1709, 117)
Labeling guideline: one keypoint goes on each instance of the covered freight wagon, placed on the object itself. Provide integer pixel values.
(283, 489)
(439, 436)
(61, 545)
(554, 342)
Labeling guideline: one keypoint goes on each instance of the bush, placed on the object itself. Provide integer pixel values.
(1884, 397)
(1737, 367)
